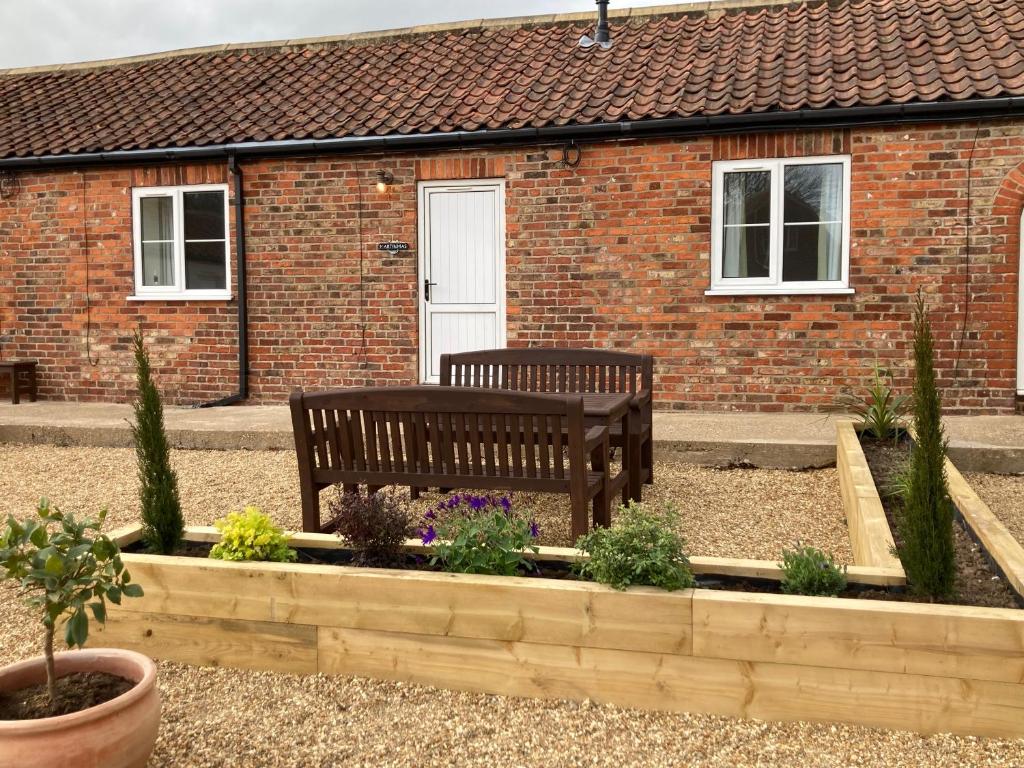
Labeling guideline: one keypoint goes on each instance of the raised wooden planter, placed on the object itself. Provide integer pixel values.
(897, 665)
(995, 538)
(870, 535)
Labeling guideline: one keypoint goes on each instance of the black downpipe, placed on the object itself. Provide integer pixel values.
(243, 308)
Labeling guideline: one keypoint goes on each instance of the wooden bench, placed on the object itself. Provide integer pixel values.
(446, 437)
(22, 375)
(552, 369)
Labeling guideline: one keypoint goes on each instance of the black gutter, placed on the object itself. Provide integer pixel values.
(833, 117)
(243, 307)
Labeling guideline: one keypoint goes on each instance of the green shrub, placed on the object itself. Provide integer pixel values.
(479, 534)
(809, 571)
(926, 520)
(881, 411)
(641, 547)
(251, 535)
(375, 526)
(64, 566)
(162, 521)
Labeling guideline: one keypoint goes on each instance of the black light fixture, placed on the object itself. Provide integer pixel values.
(384, 180)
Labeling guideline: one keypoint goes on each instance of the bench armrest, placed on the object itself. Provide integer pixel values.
(594, 437)
(641, 398)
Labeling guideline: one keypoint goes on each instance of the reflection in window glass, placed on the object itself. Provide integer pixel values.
(746, 240)
(812, 221)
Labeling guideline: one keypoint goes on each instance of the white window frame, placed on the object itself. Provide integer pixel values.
(773, 284)
(177, 291)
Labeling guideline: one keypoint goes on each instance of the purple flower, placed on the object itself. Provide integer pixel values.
(534, 529)
(428, 535)
(477, 502)
(430, 514)
(453, 501)
(506, 503)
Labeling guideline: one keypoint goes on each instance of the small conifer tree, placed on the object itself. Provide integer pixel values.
(163, 524)
(926, 522)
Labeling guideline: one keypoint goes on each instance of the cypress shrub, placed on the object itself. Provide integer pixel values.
(162, 522)
(926, 522)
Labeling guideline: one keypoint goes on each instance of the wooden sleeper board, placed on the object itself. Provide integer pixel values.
(870, 535)
(920, 667)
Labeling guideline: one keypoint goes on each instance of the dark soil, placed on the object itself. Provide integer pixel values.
(75, 692)
(977, 581)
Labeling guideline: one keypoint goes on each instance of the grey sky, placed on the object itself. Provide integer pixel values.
(34, 32)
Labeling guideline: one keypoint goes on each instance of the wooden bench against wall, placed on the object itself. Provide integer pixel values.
(549, 369)
(22, 377)
(449, 438)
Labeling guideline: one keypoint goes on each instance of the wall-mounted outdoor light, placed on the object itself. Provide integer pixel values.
(384, 180)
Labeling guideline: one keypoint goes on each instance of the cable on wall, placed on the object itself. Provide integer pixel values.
(968, 225)
(88, 278)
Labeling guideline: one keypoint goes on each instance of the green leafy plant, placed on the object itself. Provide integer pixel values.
(375, 526)
(926, 520)
(881, 410)
(479, 534)
(162, 521)
(809, 571)
(63, 567)
(897, 485)
(641, 547)
(251, 535)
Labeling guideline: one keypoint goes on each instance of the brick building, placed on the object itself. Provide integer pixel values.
(753, 194)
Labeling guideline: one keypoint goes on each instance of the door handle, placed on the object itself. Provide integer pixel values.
(426, 288)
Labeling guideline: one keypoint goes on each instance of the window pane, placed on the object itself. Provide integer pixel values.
(748, 197)
(204, 215)
(157, 218)
(812, 252)
(813, 193)
(158, 264)
(205, 266)
(746, 251)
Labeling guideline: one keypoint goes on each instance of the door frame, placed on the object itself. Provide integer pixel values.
(423, 258)
(1020, 307)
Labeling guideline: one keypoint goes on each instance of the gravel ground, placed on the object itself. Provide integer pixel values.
(1004, 495)
(750, 513)
(217, 717)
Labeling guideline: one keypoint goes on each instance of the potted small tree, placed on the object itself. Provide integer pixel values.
(96, 707)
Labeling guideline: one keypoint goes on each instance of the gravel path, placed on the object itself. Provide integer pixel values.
(729, 513)
(217, 717)
(1004, 495)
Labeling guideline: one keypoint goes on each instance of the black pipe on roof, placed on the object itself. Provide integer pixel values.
(832, 117)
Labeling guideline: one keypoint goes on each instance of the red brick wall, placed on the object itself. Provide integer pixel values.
(613, 253)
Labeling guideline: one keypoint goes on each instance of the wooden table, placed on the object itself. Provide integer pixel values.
(15, 369)
(611, 409)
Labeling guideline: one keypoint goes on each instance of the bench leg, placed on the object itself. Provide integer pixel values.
(14, 387)
(310, 506)
(647, 459)
(414, 492)
(579, 516)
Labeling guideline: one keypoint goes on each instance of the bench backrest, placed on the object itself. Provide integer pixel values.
(546, 369)
(401, 434)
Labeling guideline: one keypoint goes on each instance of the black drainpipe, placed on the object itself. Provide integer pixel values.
(243, 308)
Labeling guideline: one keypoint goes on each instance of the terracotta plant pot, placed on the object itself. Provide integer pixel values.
(119, 733)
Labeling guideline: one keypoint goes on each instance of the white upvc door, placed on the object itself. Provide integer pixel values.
(1020, 311)
(462, 269)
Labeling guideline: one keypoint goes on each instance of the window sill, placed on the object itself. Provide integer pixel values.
(779, 291)
(196, 296)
